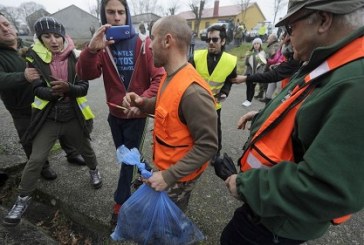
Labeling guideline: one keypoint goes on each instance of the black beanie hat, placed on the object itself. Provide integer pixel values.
(48, 25)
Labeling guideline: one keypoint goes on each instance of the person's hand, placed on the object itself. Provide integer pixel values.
(247, 117)
(132, 102)
(98, 41)
(31, 74)
(157, 182)
(238, 79)
(221, 97)
(60, 87)
(231, 185)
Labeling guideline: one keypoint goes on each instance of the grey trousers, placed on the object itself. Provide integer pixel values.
(43, 143)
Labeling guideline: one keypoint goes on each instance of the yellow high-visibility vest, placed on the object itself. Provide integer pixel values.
(85, 108)
(223, 69)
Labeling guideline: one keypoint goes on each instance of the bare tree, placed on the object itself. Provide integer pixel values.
(244, 4)
(278, 4)
(28, 8)
(143, 6)
(197, 9)
(172, 7)
(95, 9)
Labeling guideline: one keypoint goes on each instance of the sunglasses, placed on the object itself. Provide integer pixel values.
(213, 39)
(289, 27)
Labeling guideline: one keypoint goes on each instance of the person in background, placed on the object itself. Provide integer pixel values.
(217, 67)
(255, 62)
(142, 31)
(59, 109)
(297, 161)
(274, 58)
(126, 65)
(185, 126)
(17, 95)
(282, 72)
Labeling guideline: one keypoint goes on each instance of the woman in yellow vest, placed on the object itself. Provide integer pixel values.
(59, 109)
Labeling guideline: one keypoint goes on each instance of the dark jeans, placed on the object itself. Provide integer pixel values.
(244, 228)
(250, 90)
(128, 132)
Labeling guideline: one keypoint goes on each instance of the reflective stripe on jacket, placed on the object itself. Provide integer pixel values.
(223, 69)
(172, 138)
(272, 143)
(85, 108)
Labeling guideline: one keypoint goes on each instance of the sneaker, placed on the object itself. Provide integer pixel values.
(114, 215)
(95, 178)
(246, 103)
(14, 216)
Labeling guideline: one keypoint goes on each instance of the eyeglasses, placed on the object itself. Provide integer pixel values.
(289, 27)
(213, 39)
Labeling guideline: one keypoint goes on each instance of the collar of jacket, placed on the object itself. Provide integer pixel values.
(42, 52)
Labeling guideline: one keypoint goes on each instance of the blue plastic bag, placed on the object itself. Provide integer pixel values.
(151, 217)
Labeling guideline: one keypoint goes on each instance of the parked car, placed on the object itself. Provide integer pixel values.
(229, 31)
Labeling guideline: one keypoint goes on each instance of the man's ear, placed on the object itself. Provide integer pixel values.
(223, 42)
(326, 20)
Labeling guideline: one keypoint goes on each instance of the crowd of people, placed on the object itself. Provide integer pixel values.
(297, 160)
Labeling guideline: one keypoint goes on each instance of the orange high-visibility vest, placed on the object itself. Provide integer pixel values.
(172, 138)
(272, 143)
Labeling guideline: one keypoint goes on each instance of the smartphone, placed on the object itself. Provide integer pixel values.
(118, 32)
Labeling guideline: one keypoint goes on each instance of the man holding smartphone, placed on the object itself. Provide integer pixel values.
(127, 65)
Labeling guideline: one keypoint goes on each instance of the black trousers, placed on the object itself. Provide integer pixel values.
(244, 228)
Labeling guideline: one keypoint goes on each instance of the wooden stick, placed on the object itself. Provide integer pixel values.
(126, 109)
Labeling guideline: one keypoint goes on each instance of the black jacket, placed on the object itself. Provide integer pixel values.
(15, 91)
(283, 70)
(78, 88)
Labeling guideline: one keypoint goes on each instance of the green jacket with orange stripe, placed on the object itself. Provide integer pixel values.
(299, 199)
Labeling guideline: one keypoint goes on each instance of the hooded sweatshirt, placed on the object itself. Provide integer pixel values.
(127, 66)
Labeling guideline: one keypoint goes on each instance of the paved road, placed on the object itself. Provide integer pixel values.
(211, 206)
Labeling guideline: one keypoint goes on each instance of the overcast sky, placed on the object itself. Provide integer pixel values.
(54, 5)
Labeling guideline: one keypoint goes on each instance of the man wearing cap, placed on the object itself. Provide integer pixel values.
(302, 167)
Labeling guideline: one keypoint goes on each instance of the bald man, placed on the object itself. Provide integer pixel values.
(185, 126)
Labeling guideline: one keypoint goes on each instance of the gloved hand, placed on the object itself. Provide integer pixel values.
(224, 167)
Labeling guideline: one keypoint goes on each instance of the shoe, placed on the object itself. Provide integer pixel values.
(246, 103)
(77, 160)
(115, 214)
(95, 178)
(48, 173)
(14, 216)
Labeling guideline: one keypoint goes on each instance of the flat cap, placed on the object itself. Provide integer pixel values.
(332, 6)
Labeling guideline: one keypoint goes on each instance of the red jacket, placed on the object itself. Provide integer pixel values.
(145, 79)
